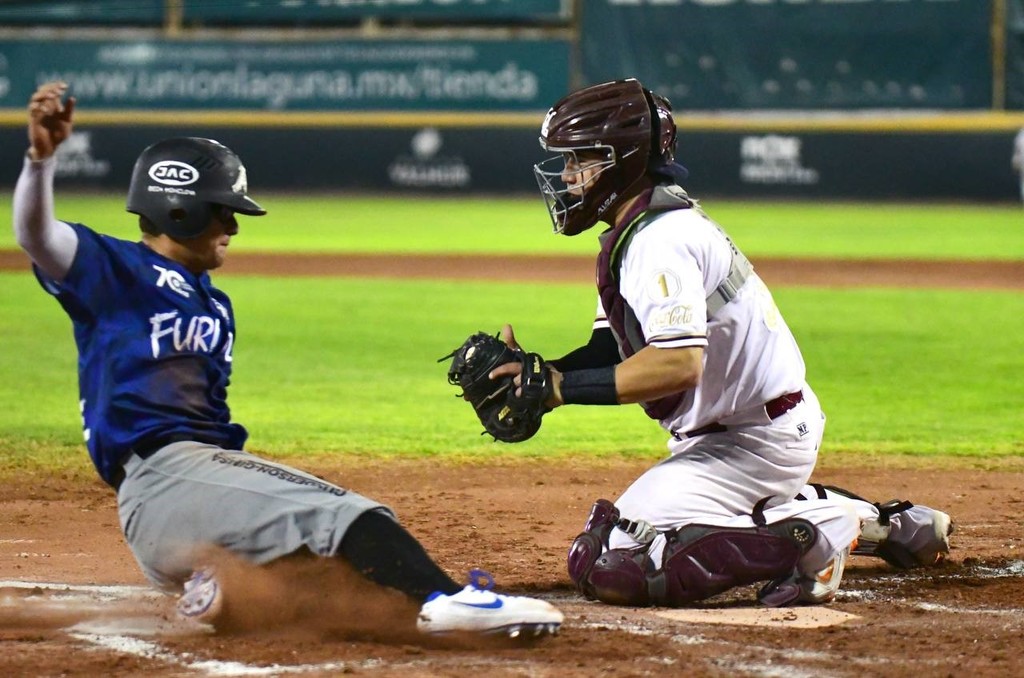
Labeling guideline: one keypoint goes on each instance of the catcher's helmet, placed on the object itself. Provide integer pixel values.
(630, 133)
(177, 183)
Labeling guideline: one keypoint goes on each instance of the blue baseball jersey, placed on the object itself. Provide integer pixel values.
(154, 349)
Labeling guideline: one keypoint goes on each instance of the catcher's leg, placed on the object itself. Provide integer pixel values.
(806, 587)
(701, 561)
(615, 576)
(903, 534)
(817, 576)
(704, 560)
(590, 544)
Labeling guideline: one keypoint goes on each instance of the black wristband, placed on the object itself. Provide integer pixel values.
(590, 387)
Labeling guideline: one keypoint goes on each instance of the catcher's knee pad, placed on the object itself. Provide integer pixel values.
(701, 561)
(589, 544)
(622, 577)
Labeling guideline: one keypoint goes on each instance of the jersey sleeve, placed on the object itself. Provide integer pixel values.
(662, 282)
(92, 278)
(49, 242)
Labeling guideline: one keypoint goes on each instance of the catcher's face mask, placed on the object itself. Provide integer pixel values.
(571, 184)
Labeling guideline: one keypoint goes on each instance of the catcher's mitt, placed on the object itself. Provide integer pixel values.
(506, 416)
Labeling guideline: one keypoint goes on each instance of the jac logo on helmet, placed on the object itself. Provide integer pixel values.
(173, 173)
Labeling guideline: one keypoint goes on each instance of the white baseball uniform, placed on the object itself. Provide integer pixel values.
(750, 357)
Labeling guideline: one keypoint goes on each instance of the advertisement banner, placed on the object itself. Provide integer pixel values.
(438, 161)
(953, 166)
(781, 54)
(456, 75)
(291, 12)
(134, 12)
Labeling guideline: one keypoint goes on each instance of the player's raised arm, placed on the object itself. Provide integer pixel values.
(50, 243)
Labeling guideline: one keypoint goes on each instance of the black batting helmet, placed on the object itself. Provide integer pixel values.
(177, 183)
(626, 128)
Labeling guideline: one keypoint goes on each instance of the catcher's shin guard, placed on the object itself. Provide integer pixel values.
(700, 561)
(704, 560)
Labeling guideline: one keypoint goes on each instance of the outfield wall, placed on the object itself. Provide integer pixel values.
(946, 157)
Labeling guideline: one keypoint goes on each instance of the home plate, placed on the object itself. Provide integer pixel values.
(782, 617)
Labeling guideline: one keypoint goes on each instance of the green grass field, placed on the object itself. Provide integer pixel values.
(521, 225)
(349, 366)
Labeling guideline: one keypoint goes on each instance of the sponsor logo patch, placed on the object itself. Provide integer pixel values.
(427, 166)
(173, 280)
(241, 184)
(801, 534)
(493, 605)
(173, 173)
(675, 318)
(170, 189)
(546, 125)
(607, 203)
(273, 471)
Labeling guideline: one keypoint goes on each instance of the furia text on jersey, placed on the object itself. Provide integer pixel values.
(199, 334)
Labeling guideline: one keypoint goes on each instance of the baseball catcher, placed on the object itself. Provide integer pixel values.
(686, 329)
(510, 412)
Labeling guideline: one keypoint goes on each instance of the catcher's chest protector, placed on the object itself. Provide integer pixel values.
(624, 324)
(623, 321)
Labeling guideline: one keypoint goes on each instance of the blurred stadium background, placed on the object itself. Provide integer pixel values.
(900, 99)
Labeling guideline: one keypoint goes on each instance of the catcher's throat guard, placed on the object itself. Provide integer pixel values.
(509, 417)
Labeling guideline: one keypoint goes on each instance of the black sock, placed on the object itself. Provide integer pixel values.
(384, 552)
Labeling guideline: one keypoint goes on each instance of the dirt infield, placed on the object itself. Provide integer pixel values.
(73, 603)
(824, 272)
(516, 520)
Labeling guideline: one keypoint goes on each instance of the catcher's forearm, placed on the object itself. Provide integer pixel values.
(648, 374)
(595, 386)
(653, 373)
(600, 351)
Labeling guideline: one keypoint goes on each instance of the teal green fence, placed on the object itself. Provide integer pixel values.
(100, 12)
(742, 54)
(280, 12)
(416, 75)
(285, 11)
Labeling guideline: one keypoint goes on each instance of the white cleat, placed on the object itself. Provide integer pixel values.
(934, 548)
(477, 609)
(921, 541)
(202, 599)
